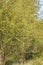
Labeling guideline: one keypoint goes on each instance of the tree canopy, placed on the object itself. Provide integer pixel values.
(20, 30)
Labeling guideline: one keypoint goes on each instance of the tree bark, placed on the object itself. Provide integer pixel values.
(1, 58)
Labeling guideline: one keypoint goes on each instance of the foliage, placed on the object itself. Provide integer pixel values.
(20, 31)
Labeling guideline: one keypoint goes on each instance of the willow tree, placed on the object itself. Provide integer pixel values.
(15, 27)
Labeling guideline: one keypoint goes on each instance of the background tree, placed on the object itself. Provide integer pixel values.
(21, 33)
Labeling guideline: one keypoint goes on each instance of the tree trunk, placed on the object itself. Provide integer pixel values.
(1, 62)
(1, 58)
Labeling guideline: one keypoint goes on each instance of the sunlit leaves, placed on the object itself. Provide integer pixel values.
(22, 32)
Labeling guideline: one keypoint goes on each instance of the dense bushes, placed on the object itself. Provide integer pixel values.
(9, 63)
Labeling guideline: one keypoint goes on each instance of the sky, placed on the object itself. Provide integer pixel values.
(40, 12)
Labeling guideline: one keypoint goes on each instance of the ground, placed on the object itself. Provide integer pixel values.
(36, 61)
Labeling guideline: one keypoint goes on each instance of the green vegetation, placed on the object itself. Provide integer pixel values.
(21, 33)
